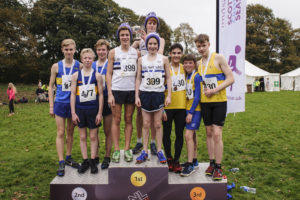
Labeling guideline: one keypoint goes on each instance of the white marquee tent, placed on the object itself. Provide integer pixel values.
(291, 80)
(253, 72)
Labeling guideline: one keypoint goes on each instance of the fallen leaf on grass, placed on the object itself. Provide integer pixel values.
(1, 190)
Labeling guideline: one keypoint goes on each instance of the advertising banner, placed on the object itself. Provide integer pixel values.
(232, 44)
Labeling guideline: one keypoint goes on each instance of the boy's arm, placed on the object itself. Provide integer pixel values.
(75, 118)
(54, 71)
(136, 44)
(100, 98)
(162, 46)
(138, 81)
(229, 79)
(197, 94)
(108, 76)
(168, 80)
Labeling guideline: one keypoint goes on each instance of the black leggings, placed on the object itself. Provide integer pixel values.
(11, 106)
(178, 115)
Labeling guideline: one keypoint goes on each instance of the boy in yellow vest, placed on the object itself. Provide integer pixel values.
(216, 76)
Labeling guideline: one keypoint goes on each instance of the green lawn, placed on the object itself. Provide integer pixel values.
(264, 142)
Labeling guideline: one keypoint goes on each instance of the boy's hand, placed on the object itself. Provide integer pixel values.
(111, 100)
(188, 118)
(168, 100)
(51, 112)
(75, 119)
(138, 102)
(164, 116)
(98, 119)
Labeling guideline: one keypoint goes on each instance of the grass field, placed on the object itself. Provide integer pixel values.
(264, 142)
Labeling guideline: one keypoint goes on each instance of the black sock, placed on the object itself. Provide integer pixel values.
(212, 162)
(218, 166)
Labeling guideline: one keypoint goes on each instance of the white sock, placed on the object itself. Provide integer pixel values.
(139, 140)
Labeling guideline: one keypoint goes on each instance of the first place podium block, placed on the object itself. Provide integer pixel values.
(130, 181)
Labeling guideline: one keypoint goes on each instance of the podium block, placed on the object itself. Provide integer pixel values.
(146, 181)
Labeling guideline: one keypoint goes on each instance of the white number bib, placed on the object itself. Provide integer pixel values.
(66, 82)
(178, 83)
(87, 93)
(189, 91)
(153, 80)
(128, 67)
(210, 83)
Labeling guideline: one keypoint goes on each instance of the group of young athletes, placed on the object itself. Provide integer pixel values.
(139, 76)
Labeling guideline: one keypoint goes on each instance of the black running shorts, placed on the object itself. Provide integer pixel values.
(214, 113)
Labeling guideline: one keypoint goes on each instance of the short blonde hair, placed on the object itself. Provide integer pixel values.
(102, 42)
(87, 50)
(67, 42)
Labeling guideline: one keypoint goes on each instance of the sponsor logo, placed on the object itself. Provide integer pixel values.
(79, 193)
(138, 196)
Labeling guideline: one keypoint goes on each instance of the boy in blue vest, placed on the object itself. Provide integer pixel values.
(86, 107)
(61, 73)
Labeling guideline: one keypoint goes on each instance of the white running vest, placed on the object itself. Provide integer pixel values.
(153, 74)
(124, 69)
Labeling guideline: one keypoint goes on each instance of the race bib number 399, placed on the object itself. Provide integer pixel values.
(153, 79)
(129, 68)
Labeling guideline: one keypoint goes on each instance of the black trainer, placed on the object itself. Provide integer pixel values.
(84, 166)
(105, 163)
(70, 162)
(153, 149)
(94, 168)
(138, 148)
(97, 160)
(61, 169)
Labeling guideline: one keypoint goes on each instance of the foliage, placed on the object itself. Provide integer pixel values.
(17, 44)
(185, 34)
(271, 43)
(84, 21)
(263, 142)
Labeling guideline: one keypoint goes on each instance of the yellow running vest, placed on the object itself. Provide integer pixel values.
(178, 99)
(212, 72)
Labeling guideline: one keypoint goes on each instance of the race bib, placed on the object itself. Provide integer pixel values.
(189, 91)
(66, 82)
(178, 83)
(153, 80)
(210, 83)
(128, 67)
(87, 93)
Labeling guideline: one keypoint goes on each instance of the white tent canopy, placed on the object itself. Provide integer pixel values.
(252, 72)
(291, 80)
